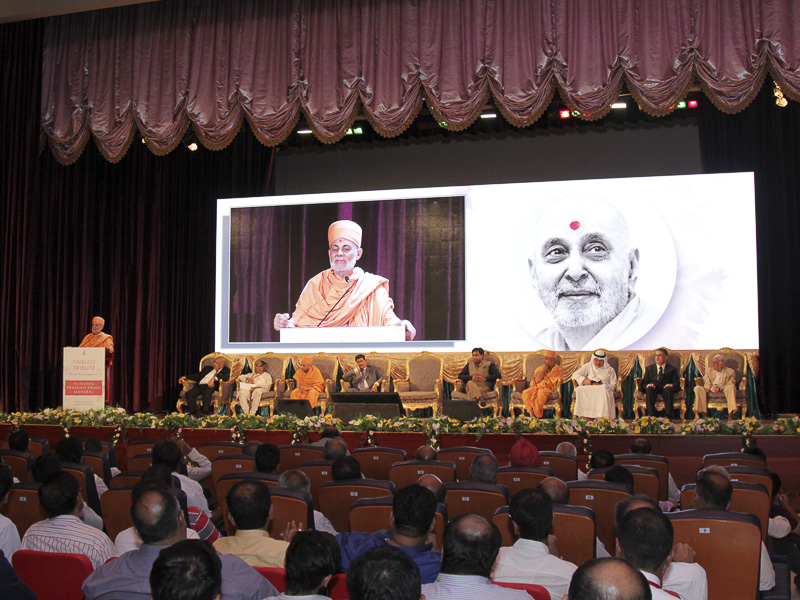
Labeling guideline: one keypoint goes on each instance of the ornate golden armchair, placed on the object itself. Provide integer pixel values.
(221, 397)
(613, 362)
(329, 367)
(276, 367)
(494, 397)
(678, 397)
(532, 362)
(383, 362)
(736, 361)
(423, 386)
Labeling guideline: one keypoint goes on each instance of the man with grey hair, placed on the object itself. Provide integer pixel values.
(484, 468)
(295, 480)
(717, 378)
(585, 270)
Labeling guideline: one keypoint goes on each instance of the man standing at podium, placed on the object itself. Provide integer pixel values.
(364, 377)
(98, 339)
(344, 295)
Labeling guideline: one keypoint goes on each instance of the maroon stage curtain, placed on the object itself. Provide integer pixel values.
(153, 70)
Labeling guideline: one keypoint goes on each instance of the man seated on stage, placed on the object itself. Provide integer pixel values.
(545, 379)
(595, 384)
(98, 339)
(479, 375)
(207, 381)
(660, 378)
(364, 377)
(251, 386)
(344, 295)
(719, 377)
(310, 382)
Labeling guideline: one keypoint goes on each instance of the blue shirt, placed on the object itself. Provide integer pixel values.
(355, 544)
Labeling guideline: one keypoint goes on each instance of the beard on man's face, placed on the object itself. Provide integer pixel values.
(586, 303)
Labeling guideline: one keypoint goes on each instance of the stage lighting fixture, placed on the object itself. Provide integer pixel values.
(488, 115)
(681, 104)
(619, 105)
(779, 99)
(692, 103)
(564, 114)
(192, 146)
(304, 131)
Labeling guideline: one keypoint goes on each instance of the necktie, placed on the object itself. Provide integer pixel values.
(363, 385)
(660, 373)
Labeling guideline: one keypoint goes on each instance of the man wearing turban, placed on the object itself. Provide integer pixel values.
(344, 295)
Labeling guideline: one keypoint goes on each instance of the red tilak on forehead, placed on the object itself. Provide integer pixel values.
(575, 225)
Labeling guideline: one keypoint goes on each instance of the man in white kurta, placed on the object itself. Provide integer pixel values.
(596, 382)
(717, 378)
(252, 386)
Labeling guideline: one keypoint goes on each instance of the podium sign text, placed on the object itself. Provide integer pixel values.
(84, 378)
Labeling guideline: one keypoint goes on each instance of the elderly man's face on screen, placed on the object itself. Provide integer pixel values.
(343, 255)
(583, 266)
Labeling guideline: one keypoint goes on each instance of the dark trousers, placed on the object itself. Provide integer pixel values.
(651, 394)
(202, 391)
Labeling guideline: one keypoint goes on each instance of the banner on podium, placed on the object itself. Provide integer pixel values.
(84, 378)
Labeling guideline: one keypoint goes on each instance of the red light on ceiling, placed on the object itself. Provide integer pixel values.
(564, 114)
(692, 103)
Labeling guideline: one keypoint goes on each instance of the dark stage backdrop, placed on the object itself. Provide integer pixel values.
(134, 242)
(417, 244)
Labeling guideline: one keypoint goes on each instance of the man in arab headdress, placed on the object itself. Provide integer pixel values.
(363, 298)
(596, 382)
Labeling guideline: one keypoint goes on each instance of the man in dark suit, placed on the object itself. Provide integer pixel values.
(207, 381)
(660, 378)
(364, 377)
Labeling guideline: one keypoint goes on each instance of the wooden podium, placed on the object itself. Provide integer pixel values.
(343, 335)
(84, 378)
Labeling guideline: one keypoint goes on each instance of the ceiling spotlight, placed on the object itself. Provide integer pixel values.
(304, 131)
(489, 115)
(192, 146)
(619, 105)
(779, 99)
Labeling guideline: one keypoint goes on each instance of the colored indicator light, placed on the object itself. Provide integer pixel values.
(692, 103)
(564, 114)
(681, 105)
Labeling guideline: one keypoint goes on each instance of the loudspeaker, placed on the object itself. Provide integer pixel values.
(349, 411)
(461, 410)
(298, 408)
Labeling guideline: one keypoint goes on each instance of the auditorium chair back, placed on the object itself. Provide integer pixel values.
(406, 473)
(293, 454)
(462, 457)
(517, 479)
(376, 462)
(659, 463)
(645, 479)
(336, 498)
(53, 575)
(565, 466)
(602, 498)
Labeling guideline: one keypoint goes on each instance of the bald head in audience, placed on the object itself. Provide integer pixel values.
(484, 468)
(713, 490)
(471, 544)
(556, 489)
(425, 453)
(608, 579)
(335, 448)
(567, 448)
(157, 517)
(434, 484)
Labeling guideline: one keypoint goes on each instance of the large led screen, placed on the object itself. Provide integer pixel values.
(631, 263)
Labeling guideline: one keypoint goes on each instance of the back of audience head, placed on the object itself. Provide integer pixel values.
(644, 539)
(532, 512)
(187, 570)
(555, 488)
(755, 451)
(413, 511)
(59, 494)
(330, 432)
(470, 547)
(20, 441)
(267, 458)
(712, 490)
(294, 480)
(345, 467)
(435, 485)
(484, 468)
(425, 453)
(382, 573)
(335, 448)
(45, 466)
(249, 504)
(641, 446)
(160, 473)
(524, 454)
(70, 449)
(601, 459)
(311, 559)
(6, 481)
(167, 452)
(157, 516)
(633, 502)
(249, 449)
(619, 474)
(608, 579)
(776, 483)
(567, 448)
(93, 445)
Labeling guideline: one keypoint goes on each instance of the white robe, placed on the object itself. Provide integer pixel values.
(594, 401)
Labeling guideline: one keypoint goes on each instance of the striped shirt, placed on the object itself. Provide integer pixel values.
(67, 533)
(469, 587)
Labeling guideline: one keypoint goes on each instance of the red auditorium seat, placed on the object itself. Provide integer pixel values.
(53, 575)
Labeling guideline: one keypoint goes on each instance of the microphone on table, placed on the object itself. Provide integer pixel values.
(349, 288)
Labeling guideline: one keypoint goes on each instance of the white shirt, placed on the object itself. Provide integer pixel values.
(779, 527)
(687, 579)
(101, 486)
(203, 468)
(129, 539)
(209, 376)
(321, 523)
(529, 561)
(194, 493)
(766, 579)
(655, 587)
(9, 537)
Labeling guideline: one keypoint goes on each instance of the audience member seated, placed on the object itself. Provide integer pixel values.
(608, 579)
(434, 484)
(484, 469)
(11, 586)
(524, 454)
(64, 531)
(335, 448)
(329, 432)
(643, 446)
(346, 467)
(9, 536)
(312, 558)
(383, 573)
(471, 544)
(714, 491)
(199, 466)
(70, 450)
(601, 459)
(95, 445)
(44, 467)
(159, 522)
(295, 480)
(534, 557)
(683, 576)
(268, 459)
(619, 474)
(410, 528)
(20, 441)
(569, 449)
(249, 448)
(250, 511)
(167, 452)
(425, 453)
(188, 570)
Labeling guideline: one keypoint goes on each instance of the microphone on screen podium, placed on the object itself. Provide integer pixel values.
(349, 288)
